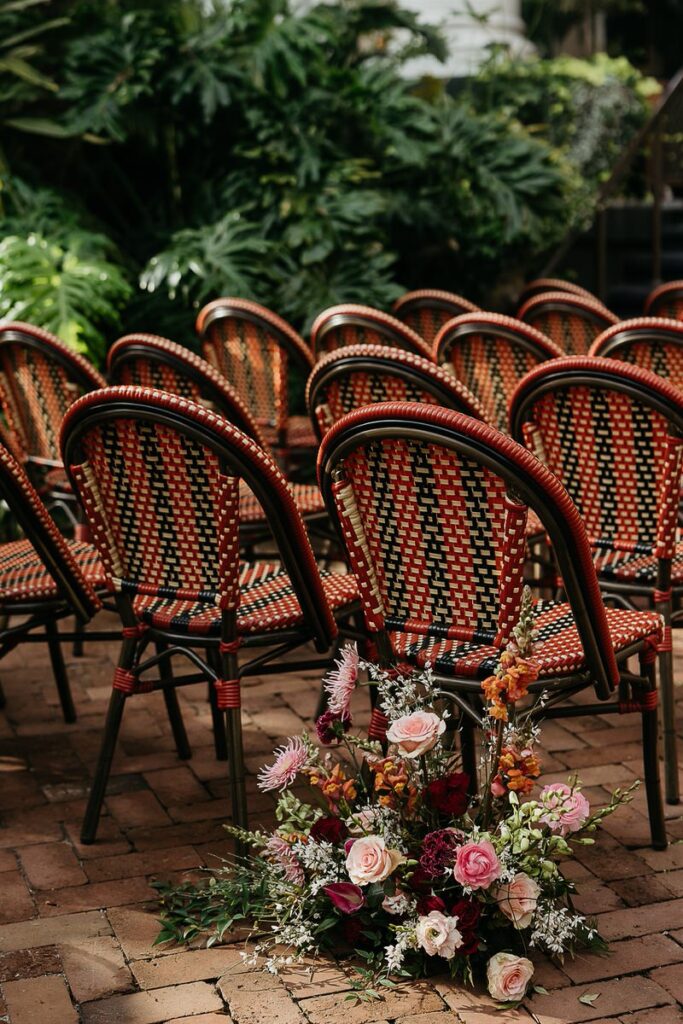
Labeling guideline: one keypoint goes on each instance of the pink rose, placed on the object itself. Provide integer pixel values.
(438, 935)
(345, 896)
(518, 899)
(368, 860)
(567, 808)
(508, 977)
(417, 733)
(476, 865)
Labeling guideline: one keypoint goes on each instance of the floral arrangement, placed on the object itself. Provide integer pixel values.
(390, 856)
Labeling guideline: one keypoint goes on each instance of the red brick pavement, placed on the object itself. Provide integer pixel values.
(77, 923)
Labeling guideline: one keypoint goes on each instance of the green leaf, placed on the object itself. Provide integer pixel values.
(588, 998)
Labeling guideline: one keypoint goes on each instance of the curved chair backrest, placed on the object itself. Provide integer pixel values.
(158, 477)
(349, 324)
(651, 342)
(613, 434)
(254, 349)
(432, 506)
(149, 361)
(427, 310)
(39, 379)
(571, 321)
(366, 374)
(666, 301)
(490, 354)
(552, 284)
(39, 529)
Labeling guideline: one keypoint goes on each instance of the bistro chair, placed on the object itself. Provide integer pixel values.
(666, 301)
(427, 310)
(349, 324)
(613, 434)
(44, 578)
(552, 284)
(366, 374)
(40, 377)
(262, 357)
(490, 353)
(654, 343)
(158, 477)
(148, 360)
(432, 507)
(573, 322)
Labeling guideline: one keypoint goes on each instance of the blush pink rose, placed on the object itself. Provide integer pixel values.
(508, 977)
(518, 899)
(567, 808)
(369, 860)
(417, 733)
(476, 865)
(438, 935)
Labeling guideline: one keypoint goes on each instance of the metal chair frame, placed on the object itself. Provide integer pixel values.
(530, 484)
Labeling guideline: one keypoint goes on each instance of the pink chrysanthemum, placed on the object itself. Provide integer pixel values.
(281, 854)
(341, 681)
(289, 760)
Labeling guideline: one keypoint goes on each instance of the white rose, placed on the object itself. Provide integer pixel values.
(369, 861)
(508, 977)
(417, 733)
(438, 935)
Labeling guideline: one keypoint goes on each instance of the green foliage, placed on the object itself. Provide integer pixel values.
(255, 148)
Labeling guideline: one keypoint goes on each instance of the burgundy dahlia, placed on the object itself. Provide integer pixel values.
(438, 851)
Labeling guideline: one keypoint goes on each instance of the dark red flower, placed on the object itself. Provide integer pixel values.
(449, 795)
(419, 881)
(351, 930)
(468, 913)
(438, 851)
(329, 830)
(426, 904)
(331, 725)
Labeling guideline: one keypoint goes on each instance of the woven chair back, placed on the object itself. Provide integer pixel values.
(490, 354)
(427, 310)
(573, 322)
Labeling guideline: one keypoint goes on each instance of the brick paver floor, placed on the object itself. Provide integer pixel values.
(77, 923)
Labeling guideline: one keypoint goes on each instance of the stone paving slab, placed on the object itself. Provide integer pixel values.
(77, 923)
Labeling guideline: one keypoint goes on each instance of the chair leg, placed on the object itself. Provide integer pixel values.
(3, 699)
(653, 789)
(175, 716)
(468, 746)
(77, 648)
(666, 678)
(59, 672)
(217, 716)
(238, 796)
(99, 786)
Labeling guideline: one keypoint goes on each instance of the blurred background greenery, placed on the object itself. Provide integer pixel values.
(155, 154)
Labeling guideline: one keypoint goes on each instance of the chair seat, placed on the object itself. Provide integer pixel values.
(558, 652)
(308, 500)
(23, 577)
(635, 567)
(267, 602)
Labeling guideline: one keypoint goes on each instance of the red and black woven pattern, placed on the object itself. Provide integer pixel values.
(614, 452)
(254, 350)
(366, 374)
(654, 343)
(268, 603)
(666, 301)
(443, 544)
(552, 284)
(426, 311)
(350, 324)
(558, 649)
(490, 354)
(39, 379)
(24, 576)
(571, 321)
